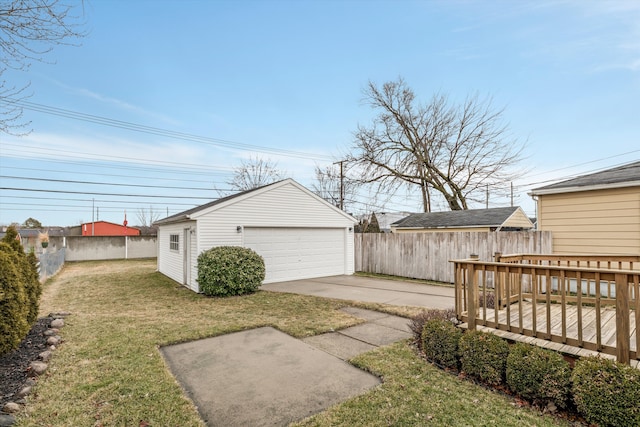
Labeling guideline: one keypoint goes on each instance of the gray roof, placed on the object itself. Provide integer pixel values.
(184, 215)
(623, 174)
(493, 217)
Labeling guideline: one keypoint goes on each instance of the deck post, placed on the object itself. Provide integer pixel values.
(472, 295)
(498, 284)
(623, 333)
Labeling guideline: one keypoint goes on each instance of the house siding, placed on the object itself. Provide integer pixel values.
(603, 221)
(170, 263)
(284, 206)
(518, 220)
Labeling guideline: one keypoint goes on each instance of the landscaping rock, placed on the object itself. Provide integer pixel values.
(24, 391)
(53, 340)
(30, 382)
(37, 368)
(7, 420)
(45, 355)
(11, 408)
(50, 332)
(57, 323)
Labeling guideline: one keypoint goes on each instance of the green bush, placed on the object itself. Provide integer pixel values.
(484, 356)
(13, 301)
(418, 321)
(539, 375)
(607, 392)
(440, 339)
(229, 270)
(33, 287)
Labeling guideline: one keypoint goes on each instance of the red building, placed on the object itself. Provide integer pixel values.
(104, 228)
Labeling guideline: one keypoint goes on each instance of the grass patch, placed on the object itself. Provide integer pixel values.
(416, 393)
(109, 370)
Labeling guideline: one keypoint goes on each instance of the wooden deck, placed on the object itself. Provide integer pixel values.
(580, 337)
(574, 304)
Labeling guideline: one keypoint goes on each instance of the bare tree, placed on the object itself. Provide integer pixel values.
(452, 150)
(29, 30)
(254, 173)
(335, 187)
(146, 218)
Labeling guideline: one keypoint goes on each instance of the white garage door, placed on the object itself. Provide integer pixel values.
(298, 253)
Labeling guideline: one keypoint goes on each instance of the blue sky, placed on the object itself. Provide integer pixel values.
(280, 78)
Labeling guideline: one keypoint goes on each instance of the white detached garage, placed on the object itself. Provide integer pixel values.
(299, 235)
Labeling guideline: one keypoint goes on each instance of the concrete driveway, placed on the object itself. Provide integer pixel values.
(367, 289)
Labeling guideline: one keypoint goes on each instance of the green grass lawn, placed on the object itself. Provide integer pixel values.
(109, 370)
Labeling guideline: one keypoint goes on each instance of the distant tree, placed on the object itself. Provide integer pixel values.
(254, 173)
(452, 150)
(146, 218)
(32, 223)
(362, 225)
(11, 238)
(29, 30)
(374, 226)
(331, 186)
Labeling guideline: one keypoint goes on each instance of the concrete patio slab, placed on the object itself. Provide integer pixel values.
(374, 334)
(262, 377)
(361, 313)
(368, 289)
(339, 345)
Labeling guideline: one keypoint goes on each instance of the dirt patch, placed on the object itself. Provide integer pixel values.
(14, 365)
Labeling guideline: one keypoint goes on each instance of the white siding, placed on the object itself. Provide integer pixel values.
(170, 263)
(287, 205)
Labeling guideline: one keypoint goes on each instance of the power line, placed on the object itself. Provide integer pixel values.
(105, 121)
(155, 178)
(102, 194)
(96, 200)
(91, 156)
(109, 183)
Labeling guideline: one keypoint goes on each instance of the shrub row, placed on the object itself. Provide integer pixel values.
(20, 291)
(229, 270)
(605, 392)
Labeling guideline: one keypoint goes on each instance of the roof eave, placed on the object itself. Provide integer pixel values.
(166, 221)
(574, 189)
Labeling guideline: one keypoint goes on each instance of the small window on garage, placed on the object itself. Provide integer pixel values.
(174, 242)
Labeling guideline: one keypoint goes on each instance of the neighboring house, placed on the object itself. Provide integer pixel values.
(597, 213)
(298, 234)
(385, 219)
(30, 237)
(104, 228)
(483, 220)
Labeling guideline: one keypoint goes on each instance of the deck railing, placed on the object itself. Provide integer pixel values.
(583, 301)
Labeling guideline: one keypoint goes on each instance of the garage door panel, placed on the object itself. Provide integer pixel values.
(298, 253)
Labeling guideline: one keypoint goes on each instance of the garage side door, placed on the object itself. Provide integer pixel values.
(298, 253)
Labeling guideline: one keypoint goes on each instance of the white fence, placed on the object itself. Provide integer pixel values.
(427, 255)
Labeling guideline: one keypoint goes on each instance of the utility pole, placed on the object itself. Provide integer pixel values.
(487, 202)
(341, 162)
(511, 193)
(93, 217)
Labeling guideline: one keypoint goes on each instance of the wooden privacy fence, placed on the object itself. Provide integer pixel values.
(426, 255)
(589, 302)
